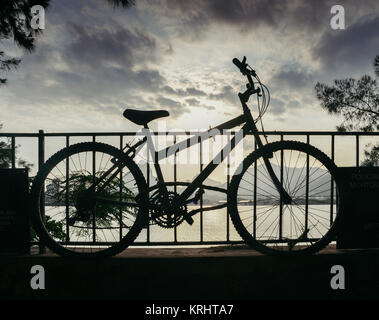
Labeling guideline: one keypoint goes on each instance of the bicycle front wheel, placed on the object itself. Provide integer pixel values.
(309, 222)
(89, 200)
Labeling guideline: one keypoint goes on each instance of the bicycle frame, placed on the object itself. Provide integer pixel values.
(248, 126)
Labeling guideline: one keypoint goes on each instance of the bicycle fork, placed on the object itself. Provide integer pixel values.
(285, 198)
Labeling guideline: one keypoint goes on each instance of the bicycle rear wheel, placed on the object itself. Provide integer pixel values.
(77, 208)
(309, 222)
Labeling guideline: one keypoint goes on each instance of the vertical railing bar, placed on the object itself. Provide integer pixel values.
(227, 188)
(41, 161)
(357, 150)
(120, 186)
(201, 197)
(332, 185)
(307, 190)
(94, 181)
(175, 187)
(281, 202)
(148, 186)
(67, 191)
(13, 151)
(255, 194)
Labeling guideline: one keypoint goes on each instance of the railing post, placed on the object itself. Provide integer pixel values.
(13, 151)
(41, 161)
(357, 150)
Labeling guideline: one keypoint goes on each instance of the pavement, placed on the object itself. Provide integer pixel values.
(221, 272)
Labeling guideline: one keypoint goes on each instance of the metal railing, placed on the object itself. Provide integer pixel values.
(306, 136)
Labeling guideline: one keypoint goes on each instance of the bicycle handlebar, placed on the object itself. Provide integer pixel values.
(242, 66)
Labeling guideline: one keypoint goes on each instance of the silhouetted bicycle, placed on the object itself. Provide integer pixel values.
(92, 200)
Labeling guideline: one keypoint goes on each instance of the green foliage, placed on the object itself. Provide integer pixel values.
(56, 230)
(107, 215)
(372, 156)
(357, 101)
(6, 64)
(15, 24)
(6, 155)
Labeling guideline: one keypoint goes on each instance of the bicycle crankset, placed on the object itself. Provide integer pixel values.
(163, 210)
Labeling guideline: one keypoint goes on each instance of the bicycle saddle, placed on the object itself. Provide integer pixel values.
(144, 117)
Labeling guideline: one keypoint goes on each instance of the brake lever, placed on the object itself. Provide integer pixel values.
(257, 90)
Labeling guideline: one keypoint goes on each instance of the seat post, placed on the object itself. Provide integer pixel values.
(154, 155)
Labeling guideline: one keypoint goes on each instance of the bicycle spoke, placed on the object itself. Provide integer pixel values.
(286, 230)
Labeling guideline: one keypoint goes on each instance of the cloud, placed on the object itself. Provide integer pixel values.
(93, 60)
(351, 48)
(197, 16)
(192, 102)
(226, 94)
(277, 106)
(176, 108)
(291, 76)
(195, 92)
(98, 46)
(91, 66)
(190, 91)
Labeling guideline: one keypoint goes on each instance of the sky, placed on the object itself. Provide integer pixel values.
(93, 61)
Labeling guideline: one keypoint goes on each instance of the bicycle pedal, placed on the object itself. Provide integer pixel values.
(189, 220)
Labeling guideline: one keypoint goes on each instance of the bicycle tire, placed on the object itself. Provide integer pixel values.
(251, 159)
(38, 185)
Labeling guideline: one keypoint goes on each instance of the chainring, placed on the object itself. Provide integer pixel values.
(163, 211)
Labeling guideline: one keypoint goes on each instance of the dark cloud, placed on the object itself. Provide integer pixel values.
(175, 107)
(196, 15)
(226, 94)
(300, 16)
(190, 91)
(98, 46)
(90, 65)
(93, 57)
(352, 48)
(166, 102)
(292, 77)
(177, 92)
(277, 106)
(195, 92)
(192, 102)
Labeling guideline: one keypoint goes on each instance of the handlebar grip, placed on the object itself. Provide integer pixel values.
(238, 64)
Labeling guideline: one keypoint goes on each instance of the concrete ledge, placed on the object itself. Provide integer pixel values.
(187, 273)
